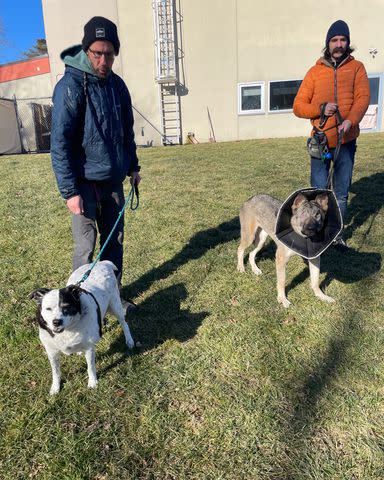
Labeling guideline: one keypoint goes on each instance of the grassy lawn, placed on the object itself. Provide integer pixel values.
(226, 384)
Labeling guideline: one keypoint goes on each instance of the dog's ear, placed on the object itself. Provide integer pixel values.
(75, 291)
(38, 294)
(299, 200)
(322, 200)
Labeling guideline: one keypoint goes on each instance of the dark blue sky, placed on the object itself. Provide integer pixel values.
(21, 23)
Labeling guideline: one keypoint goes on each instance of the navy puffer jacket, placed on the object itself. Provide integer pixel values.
(92, 126)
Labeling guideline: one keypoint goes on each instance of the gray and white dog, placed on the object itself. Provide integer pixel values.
(70, 318)
(258, 219)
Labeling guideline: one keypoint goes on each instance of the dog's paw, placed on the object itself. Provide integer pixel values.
(256, 270)
(326, 298)
(284, 301)
(130, 344)
(54, 389)
(92, 383)
(240, 268)
(321, 295)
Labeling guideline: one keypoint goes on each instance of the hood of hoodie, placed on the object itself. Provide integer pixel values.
(326, 62)
(76, 57)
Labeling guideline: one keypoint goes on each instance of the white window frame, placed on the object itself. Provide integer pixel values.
(260, 111)
(380, 76)
(288, 110)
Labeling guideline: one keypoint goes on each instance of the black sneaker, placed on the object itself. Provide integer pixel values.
(340, 245)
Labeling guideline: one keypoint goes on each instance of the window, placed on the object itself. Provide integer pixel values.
(374, 83)
(372, 117)
(250, 98)
(282, 95)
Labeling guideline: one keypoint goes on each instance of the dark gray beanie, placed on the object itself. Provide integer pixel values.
(337, 28)
(100, 28)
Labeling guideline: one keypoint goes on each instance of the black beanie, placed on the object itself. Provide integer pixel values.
(100, 28)
(337, 28)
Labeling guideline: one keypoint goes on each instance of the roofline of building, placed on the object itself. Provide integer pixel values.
(26, 68)
(24, 60)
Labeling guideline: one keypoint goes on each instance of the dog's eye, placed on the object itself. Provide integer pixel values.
(49, 309)
(68, 310)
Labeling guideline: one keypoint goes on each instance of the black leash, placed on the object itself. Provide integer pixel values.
(323, 120)
(333, 160)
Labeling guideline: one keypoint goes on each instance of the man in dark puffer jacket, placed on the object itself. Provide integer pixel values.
(92, 142)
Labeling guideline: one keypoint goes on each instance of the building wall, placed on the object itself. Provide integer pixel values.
(138, 66)
(135, 61)
(64, 27)
(234, 41)
(26, 78)
(211, 64)
(224, 43)
(30, 87)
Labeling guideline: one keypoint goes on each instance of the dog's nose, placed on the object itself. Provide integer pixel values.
(57, 322)
(309, 231)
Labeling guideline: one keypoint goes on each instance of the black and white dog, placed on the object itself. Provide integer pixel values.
(70, 318)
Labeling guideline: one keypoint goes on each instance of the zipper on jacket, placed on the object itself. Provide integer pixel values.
(335, 67)
(335, 81)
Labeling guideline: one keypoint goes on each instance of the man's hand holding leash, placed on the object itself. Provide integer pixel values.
(330, 109)
(135, 178)
(75, 204)
(345, 126)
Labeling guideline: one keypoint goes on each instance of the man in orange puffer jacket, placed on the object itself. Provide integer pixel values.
(336, 82)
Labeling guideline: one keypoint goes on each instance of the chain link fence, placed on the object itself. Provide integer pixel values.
(34, 122)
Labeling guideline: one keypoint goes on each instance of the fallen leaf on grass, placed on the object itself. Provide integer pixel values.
(289, 319)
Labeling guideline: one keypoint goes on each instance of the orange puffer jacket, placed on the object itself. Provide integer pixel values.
(347, 85)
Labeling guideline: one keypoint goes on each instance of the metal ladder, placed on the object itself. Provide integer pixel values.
(167, 71)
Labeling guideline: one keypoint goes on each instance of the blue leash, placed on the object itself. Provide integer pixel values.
(134, 191)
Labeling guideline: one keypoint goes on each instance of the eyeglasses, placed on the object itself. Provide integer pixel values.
(97, 54)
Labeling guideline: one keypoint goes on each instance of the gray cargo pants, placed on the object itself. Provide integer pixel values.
(103, 202)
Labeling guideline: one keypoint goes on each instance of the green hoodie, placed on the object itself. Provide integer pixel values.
(76, 57)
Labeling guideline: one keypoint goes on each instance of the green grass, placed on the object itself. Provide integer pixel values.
(227, 384)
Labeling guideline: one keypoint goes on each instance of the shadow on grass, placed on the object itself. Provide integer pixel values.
(367, 202)
(347, 268)
(355, 265)
(316, 387)
(197, 246)
(321, 375)
(317, 380)
(350, 267)
(159, 318)
(308, 407)
(363, 208)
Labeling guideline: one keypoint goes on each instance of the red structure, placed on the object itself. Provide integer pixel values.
(24, 68)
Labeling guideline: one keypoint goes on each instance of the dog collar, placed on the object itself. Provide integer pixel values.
(99, 319)
(309, 247)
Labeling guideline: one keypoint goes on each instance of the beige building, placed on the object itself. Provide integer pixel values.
(220, 69)
(25, 105)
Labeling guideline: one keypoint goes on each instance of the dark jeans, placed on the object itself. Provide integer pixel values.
(342, 173)
(102, 204)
